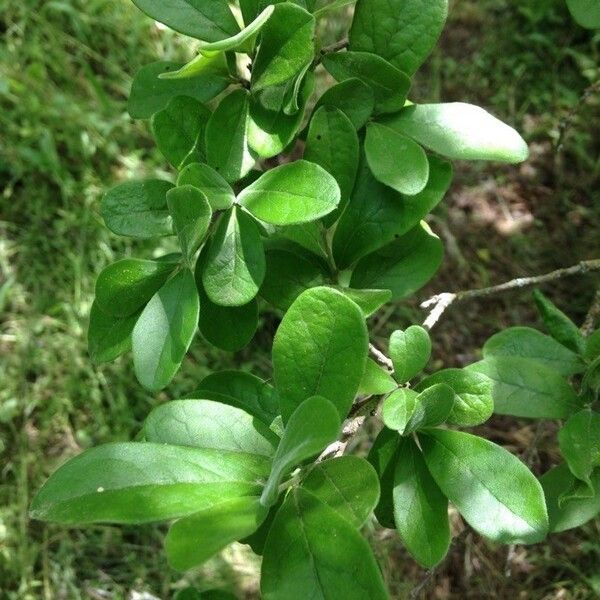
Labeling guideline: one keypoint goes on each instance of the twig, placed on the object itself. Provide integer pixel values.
(566, 123)
(380, 357)
(440, 302)
(592, 316)
(340, 45)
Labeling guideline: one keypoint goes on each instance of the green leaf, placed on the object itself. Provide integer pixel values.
(138, 208)
(473, 400)
(526, 342)
(560, 327)
(461, 131)
(320, 349)
(404, 266)
(286, 46)
(163, 333)
(191, 215)
(347, 484)
(332, 143)
(390, 86)
(227, 148)
(401, 31)
(492, 489)
(312, 552)
(108, 336)
(292, 193)
(194, 539)
(209, 22)
(210, 183)
(572, 513)
(353, 97)
(410, 352)
(369, 301)
(333, 5)
(144, 482)
(395, 159)
(271, 130)
(383, 456)
(397, 409)
(420, 508)
(592, 346)
(242, 41)
(128, 284)
(526, 388)
(310, 428)
(376, 380)
(377, 215)
(585, 12)
(290, 271)
(235, 263)
(179, 130)
(409, 412)
(579, 442)
(246, 391)
(209, 424)
(150, 93)
(229, 328)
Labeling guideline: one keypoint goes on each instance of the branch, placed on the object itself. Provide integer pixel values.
(380, 357)
(440, 302)
(593, 316)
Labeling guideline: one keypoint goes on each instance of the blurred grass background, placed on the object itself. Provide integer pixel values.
(65, 136)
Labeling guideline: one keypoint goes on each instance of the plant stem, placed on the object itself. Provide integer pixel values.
(440, 302)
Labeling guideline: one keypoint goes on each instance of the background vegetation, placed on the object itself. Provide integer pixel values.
(65, 70)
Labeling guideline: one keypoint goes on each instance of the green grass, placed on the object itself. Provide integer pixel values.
(65, 70)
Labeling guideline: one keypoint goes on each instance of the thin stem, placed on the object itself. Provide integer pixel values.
(336, 47)
(592, 316)
(380, 357)
(440, 302)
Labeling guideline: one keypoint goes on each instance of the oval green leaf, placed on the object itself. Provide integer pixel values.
(210, 183)
(410, 351)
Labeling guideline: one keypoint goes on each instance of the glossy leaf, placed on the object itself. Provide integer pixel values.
(290, 271)
(560, 327)
(310, 428)
(377, 215)
(227, 148)
(150, 93)
(579, 442)
(301, 562)
(138, 208)
(179, 130)
(353, 97)
(396, 160)
(128, 284)
(473, 400)
(235, 263)
(347, 484)
(369, 301)
(320, 349)
(376, 380)
(410, 351)
(293, 193)
(390, 86)
(420, 508)
(108, 336)
(191, 215)
(492, 489)
(401, 31)
(218, 192)
(572, 513)
(209, 424)
(271, 130)
(332, 143)
(433, 407)
(526, 342)
(286, 46)
(144, 482)
(383, 456)
(194, 539)
(526, 388)
(210, 21)
(404, 266)
(398, 408)
(461, 131)
(164, 331)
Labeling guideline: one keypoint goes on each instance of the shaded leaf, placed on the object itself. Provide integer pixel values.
(218, 192)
